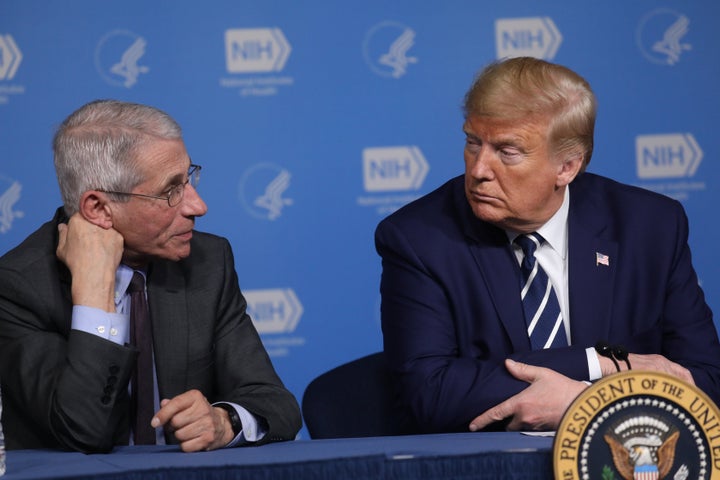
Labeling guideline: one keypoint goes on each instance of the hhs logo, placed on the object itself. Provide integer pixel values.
(667, 156)
(263, 189)
(661, 36)
(527, 37)
(255, 50)
(118, 58)
(386, 49)
(10, 57)
(393, 168)
(8, 199)
(275, 310)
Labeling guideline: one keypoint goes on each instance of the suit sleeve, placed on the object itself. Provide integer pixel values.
(245, 374)
(689, 335)
(70, 386)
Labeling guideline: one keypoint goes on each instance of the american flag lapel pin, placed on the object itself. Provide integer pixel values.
(602, 259)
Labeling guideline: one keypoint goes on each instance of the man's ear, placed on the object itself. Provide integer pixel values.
(569, 168)
(95, 208)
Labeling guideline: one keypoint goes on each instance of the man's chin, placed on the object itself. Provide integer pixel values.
(175, 254)
(182, 253)
(486, 212)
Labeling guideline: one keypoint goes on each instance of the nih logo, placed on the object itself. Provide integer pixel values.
(393, 168)
(672, 155)
(527, 37)
(250, 50)
(274, 310)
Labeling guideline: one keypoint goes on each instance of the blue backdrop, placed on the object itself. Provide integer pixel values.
(313, 120)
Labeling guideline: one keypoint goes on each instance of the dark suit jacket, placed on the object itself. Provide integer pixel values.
(63, 388)
(451, 310)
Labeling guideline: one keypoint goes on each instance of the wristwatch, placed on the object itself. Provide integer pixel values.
(235, 422)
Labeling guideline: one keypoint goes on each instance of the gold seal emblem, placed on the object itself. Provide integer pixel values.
(639, 425)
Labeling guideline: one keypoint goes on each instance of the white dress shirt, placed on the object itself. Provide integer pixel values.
(552, 256)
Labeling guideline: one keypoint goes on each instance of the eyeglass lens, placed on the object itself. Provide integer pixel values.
(177, 193)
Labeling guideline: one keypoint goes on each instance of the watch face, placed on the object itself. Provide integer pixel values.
(235, 422)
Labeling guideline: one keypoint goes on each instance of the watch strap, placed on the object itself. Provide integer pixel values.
(235, 422)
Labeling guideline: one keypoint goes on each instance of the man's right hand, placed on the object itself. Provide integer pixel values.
(538, 407)
(92, 254)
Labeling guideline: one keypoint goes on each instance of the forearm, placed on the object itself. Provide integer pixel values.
(90, 398)
(247, 375)
(251, 382)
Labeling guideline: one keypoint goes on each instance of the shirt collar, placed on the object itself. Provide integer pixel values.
(123, 275)
(554, 231)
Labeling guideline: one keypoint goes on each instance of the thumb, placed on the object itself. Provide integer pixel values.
(62, 230)
(521, 371)
(62, 237)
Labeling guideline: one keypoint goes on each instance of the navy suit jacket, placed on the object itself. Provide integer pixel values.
(451, 310)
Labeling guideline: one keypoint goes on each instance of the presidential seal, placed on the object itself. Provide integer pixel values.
(639, 425)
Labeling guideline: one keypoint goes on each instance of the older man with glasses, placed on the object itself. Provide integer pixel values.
(119, 323)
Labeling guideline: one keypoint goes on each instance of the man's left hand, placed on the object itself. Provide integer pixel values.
(540, 406)
(196, 424)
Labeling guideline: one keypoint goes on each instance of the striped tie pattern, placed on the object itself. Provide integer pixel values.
(542, 310)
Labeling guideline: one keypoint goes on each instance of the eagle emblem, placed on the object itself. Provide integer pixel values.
(643, 448)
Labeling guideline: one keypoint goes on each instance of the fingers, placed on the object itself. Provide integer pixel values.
(195, 423)
(659, 363)
(521, 371)
(540, 406)
(495, 414)
(170, 409)
(92, 254)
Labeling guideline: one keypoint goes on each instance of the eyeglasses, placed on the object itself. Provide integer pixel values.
(175, 195)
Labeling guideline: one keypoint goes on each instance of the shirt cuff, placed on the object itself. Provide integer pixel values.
(253, 429)
(110, 326)
(594, 370)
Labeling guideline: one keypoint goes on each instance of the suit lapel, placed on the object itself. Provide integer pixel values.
(168, 314)
(590, 280)
(499, 270)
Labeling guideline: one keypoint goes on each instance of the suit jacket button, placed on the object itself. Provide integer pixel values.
(114, 369)
(105, 399)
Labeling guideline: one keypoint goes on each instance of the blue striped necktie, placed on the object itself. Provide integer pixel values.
(542, 311)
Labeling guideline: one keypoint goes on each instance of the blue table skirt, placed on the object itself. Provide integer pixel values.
(443, 456)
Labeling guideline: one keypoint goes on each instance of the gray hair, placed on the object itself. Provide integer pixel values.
(525, 88)
(95, 147)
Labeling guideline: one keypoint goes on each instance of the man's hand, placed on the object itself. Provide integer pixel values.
(651, 362)
(196, 424)
(92, 254)
(540, 406)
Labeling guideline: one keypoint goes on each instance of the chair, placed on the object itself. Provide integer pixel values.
(352, 400)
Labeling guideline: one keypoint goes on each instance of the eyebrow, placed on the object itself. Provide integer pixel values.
(173, 181)
(469, 134)
(503, 141)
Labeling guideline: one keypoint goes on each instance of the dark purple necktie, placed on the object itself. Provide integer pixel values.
(142, 408)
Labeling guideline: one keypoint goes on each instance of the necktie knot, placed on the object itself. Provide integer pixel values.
(529, 244)
(137, 283)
